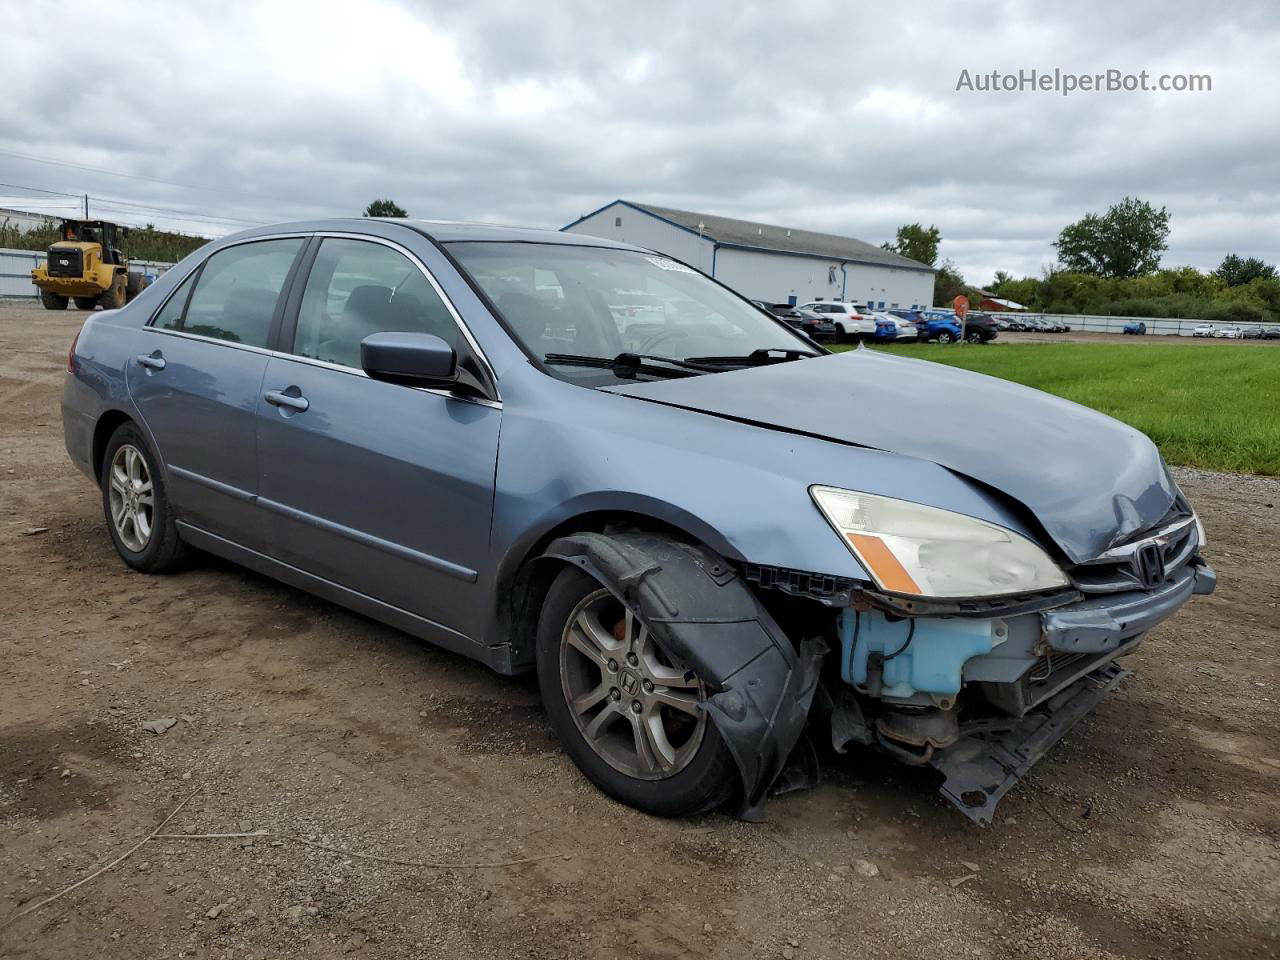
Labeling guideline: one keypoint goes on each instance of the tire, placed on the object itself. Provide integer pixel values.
(946, 336)
(86, 303)
(975, 338)
(701, 775)
(129, 471)
(53, 301)
(841, 336)
(113, 297)
(133, 286)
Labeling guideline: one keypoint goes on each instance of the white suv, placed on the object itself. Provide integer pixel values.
(851, 319)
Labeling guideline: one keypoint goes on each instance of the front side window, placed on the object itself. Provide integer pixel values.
(236, 292)
(600, 302)
(357, 288)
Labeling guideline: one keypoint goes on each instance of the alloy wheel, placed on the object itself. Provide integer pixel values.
(635, 707)
(132, 497)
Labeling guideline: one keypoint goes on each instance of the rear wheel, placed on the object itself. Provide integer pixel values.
(53, 301)
(946, 336)
(841, 336)
(86, 303)
(625, 711)
(136, 506)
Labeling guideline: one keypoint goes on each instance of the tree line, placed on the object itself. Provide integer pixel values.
(1109, 265)
(141, 243)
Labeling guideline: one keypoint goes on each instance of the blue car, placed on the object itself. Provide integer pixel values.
(567, 455)
(940, 326)
(1136, 327)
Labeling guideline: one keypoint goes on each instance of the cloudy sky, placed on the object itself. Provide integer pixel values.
(829, 116)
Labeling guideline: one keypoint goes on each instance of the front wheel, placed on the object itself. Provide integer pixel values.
(53, 301)
(946, 336)
(625, 711)
(974, 338)
(113, 297)
(136, 506)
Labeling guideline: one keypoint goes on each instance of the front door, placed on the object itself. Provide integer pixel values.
(197, 379)
(382, 488)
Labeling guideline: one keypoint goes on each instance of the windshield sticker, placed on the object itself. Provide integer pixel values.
(666, 264)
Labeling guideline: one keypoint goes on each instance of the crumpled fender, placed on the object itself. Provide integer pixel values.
(702, 613)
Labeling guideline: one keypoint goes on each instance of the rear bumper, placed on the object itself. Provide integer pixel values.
(77, 426)
(69, 286)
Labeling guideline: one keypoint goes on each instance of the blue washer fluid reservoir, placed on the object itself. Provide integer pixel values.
(931, 658)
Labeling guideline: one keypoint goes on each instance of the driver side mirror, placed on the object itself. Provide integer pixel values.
(412, 359)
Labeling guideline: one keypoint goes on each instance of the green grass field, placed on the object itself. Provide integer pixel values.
(1216, 406)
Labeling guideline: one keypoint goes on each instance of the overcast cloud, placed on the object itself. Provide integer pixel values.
(810, 114)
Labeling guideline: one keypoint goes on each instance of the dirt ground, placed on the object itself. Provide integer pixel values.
(1152, 831)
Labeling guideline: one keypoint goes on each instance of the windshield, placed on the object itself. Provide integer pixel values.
(600, 302)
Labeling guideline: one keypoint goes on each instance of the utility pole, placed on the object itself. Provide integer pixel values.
(86, 206)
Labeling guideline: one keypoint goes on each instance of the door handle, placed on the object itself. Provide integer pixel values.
(151, 361)
(278, 398)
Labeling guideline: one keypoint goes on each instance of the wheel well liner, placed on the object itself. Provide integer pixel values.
(706, 616)
(521, 587)
(107, 424)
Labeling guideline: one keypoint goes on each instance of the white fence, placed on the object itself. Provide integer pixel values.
(16, 267)
(1166, 326)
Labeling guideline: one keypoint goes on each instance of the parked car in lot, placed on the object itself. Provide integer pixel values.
(890, 326)
(811, 325)
(448, 428)
(851, 320)
(980, 328)
(1229, 332)
(1045, 325)
(938, 326)
(1203, 330)
(1271, 333)
(1251, 333)
(1136, 327)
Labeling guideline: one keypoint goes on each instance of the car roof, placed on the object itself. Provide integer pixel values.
(445, 231)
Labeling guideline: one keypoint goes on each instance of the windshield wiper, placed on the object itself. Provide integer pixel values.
(756, 358)
(627, 365)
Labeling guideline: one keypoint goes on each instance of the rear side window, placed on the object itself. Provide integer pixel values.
(170, 317)
(357, 288)
(236, 292)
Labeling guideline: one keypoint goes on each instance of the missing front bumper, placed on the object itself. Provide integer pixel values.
(981, 767)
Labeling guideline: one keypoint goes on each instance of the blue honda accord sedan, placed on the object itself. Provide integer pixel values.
(719, 546)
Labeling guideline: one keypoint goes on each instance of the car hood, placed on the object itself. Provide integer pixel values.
(1091, 481)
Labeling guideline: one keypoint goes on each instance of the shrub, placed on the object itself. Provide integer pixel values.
(1236, 313)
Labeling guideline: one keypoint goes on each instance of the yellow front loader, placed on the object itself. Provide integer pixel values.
(86, 266)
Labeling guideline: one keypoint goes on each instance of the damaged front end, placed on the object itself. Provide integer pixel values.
(981, 690)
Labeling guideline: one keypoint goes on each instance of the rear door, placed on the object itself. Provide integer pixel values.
(197, 379)
(382, 488)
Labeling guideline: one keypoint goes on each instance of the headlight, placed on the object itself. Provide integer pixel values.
(927, 552)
